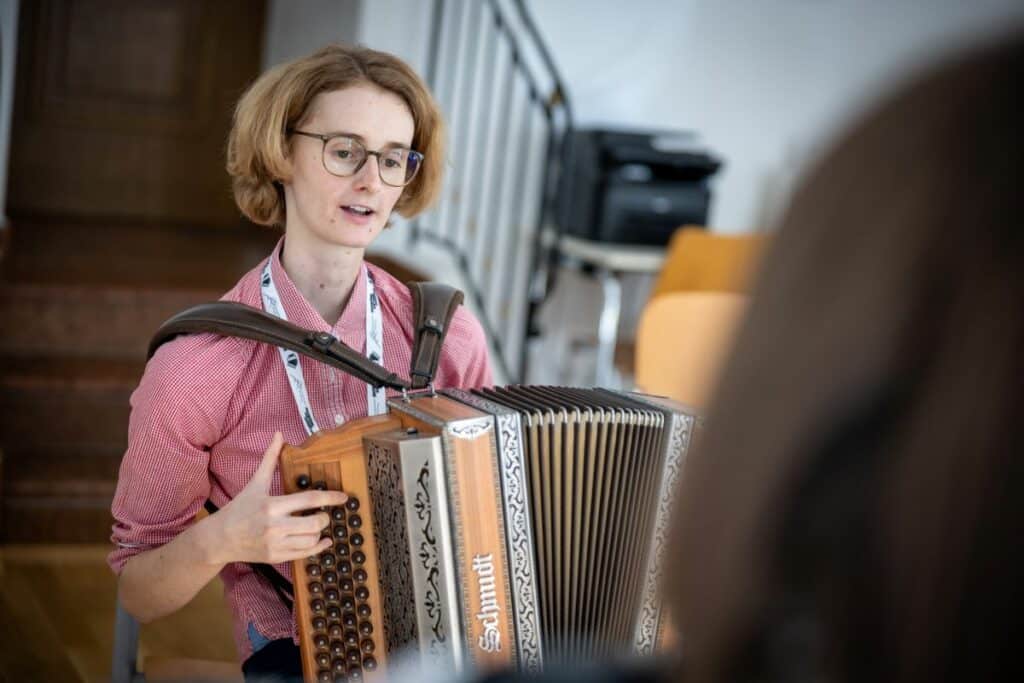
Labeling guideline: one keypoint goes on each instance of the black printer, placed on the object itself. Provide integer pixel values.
(633, 187)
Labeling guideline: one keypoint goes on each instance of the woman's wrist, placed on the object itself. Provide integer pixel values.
(208, 540)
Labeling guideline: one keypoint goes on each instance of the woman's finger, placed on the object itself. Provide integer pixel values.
(299, 548)
(306, 524)
(307, 500)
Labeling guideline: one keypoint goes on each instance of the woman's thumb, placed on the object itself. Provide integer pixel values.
(265, 472)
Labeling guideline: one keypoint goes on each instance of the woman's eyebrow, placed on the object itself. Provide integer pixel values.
(360, 138)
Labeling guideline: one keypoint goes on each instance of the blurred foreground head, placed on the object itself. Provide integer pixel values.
(856, 512)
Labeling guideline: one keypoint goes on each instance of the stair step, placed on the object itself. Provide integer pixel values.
(87, 321)
(64, 403)
(54, 251)
(84, 472)
(56, 520)
(58, 496)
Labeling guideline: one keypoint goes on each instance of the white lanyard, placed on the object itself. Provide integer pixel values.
(376, 402)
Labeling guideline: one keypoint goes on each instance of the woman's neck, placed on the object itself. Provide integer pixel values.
(324, 276)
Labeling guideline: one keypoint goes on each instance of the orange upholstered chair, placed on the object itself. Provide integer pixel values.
(699, 261)
(695, 306)
(682, 340)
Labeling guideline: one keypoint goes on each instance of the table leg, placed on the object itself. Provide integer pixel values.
(608, 329)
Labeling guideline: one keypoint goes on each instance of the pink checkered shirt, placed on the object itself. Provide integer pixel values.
(208, 406)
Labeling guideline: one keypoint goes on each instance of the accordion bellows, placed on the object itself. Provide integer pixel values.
(508, 527)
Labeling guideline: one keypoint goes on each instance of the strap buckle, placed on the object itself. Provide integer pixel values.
(428, 392)
(432, 325)
(321, 341)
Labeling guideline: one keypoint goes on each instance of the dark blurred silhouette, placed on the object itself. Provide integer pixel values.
(857, 508)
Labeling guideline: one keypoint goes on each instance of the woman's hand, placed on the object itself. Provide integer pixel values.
(258, 527)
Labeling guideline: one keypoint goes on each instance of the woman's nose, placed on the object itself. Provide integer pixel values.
(368, 177)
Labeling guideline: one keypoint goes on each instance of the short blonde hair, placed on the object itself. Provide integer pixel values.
(280, 98)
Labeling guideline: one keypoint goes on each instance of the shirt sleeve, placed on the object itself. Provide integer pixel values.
(465, 360)
(177, 414)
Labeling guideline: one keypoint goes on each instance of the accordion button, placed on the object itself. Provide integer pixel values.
(321, 642)
(365, 628)
(327, 560)
(319, 623)
(364, 611)
(349, 619)
(341, 533)
(355, 521)
(352, 504)
(347, 602)
(356, 540)
(313, 570)
(315, 588)
(302, 481)
(341, 549)
(366, 646)
(362, 593)
(331, 595)
(335, 631)
(333, 613)
(354, 657)
(346, 585)
(360, 575)
(359, 557)
(344, 568)
(339, 666)
(320, 486)
(323, 660)
(338, 514)
(317, 605)
(351, 638)
(330, 578)
(369, 663)
(337, 648)
(324, 676)
(355, 673)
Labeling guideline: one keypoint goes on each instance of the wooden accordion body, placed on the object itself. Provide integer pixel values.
(496, 528)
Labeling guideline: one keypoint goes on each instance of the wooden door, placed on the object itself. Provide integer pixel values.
(121, 214)
(122, 108)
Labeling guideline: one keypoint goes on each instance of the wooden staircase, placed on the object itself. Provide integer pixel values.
(77, 306)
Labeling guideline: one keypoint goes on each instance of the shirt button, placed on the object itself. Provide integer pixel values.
(339, 419)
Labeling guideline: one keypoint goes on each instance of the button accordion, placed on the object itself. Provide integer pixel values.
(506, 527)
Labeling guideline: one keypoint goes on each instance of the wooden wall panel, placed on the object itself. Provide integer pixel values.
(123, 107)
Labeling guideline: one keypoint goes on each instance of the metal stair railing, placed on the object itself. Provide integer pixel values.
(509, 117)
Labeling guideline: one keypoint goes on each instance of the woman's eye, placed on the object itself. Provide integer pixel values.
(392, 163)
(342, 153)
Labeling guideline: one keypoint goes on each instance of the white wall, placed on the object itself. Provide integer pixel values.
(762, 81)
(295, 28)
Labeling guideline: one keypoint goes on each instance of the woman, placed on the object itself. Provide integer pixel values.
(325, 147)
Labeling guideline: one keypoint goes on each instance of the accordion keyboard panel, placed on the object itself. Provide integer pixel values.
(338, 598)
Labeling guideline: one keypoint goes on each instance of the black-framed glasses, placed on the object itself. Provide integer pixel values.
(344, 156)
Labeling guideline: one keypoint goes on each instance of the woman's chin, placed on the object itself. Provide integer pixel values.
(356, 239)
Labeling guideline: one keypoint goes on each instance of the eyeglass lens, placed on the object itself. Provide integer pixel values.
(343, 156)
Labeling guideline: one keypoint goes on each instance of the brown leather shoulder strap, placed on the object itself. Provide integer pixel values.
(434, 304)
(238, 320)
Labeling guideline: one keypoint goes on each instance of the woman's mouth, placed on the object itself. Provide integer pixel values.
(358, 213)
